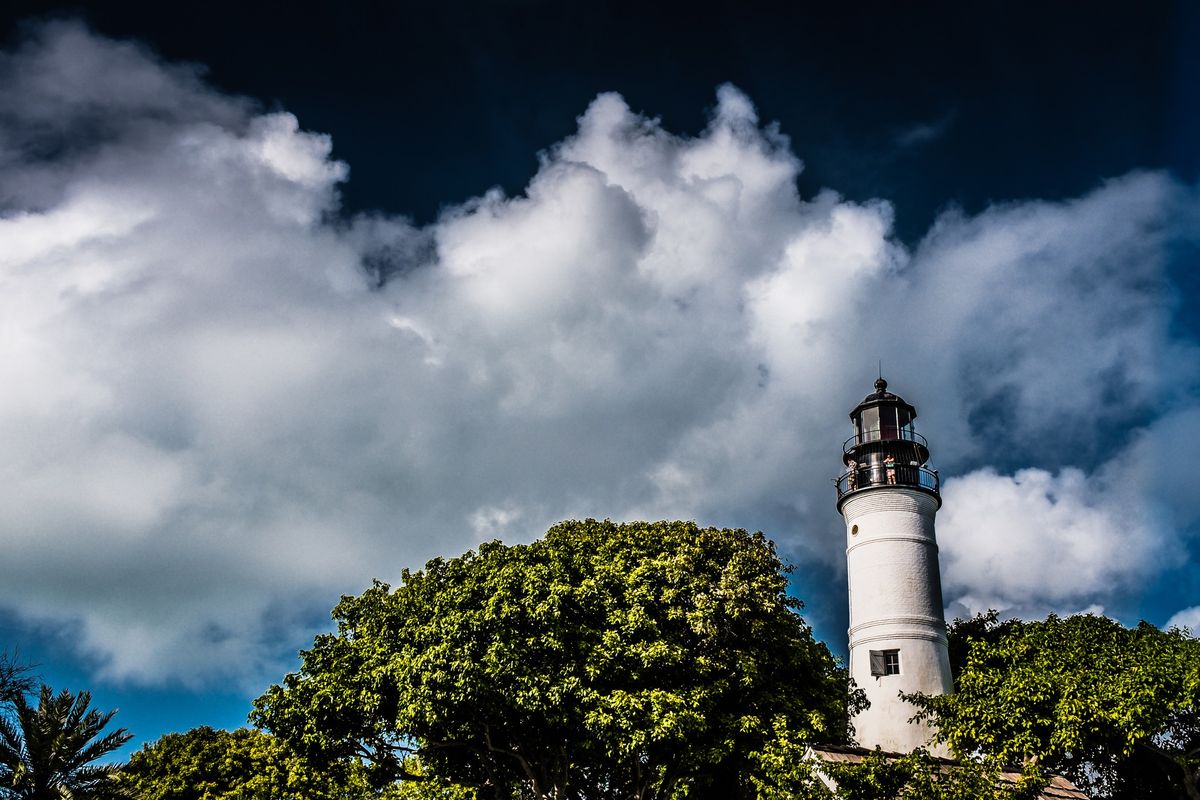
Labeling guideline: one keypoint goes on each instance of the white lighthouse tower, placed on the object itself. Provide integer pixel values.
(888, 497)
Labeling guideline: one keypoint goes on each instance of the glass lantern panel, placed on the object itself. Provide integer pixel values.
(887, 423)
(869, 425)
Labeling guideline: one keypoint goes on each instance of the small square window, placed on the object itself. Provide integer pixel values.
(885, 662)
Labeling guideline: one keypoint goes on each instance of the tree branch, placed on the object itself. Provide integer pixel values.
(520, 759)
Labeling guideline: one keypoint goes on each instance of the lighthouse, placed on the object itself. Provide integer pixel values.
(888, 497)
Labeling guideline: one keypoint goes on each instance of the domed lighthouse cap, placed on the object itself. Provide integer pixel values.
(884, 420)
(882, 396)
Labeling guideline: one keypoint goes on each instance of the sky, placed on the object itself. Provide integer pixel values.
(294, 299)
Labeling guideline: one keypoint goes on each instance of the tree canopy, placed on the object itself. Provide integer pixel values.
(604, 660)
(209, 764)
(1115, 709)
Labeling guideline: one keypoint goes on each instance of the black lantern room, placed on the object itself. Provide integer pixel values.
(885, 451)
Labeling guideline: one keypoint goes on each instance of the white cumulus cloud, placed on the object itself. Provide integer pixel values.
(226, 402)
(1188, 619)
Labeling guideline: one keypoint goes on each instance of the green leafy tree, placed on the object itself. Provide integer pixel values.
(48, 752)
(634, 661)
(426, 786)
(1115, 709)
(209, 764)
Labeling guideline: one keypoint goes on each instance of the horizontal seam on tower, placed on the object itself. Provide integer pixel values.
(894, 538)
(928, 637)
(937, 621)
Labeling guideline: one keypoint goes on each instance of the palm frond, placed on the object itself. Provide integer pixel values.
(48, 751)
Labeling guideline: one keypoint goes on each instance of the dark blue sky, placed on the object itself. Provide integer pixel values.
(432, 102)
(998, 110)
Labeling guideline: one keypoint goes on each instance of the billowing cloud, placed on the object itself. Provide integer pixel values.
(1188, 619)
(226, 402)
(1037, 541)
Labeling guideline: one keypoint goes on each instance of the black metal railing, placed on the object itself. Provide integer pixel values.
(899, 435)
(882, 475)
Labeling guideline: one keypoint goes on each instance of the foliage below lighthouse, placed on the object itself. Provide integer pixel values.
(604, 660)
(1115, 709)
